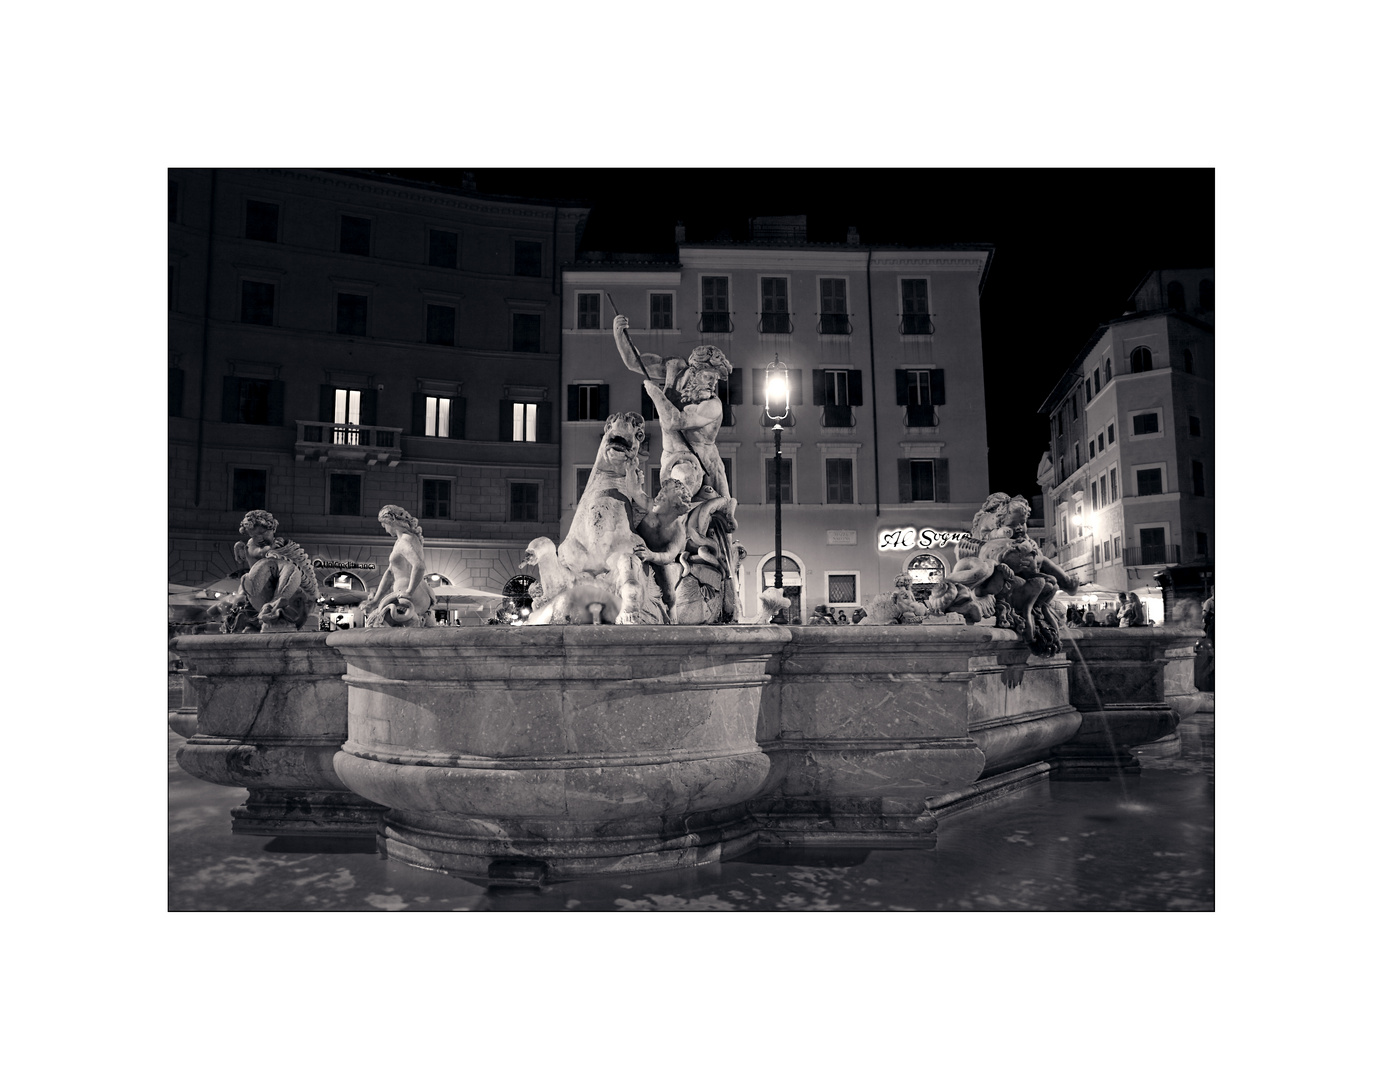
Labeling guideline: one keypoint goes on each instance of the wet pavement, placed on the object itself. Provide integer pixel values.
(1141, 843)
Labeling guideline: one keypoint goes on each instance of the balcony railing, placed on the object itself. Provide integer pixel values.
(916, 324)
(1153, 555)
(775, 322)
(358, 443)
(715, 322)
(921, 416)
(837, 416)
(834, 324)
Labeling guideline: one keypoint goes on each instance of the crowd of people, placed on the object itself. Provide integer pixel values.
(828, 616)
(1128, 612)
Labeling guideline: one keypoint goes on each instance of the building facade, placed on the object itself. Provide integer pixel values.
(340, 340)
(885, 459)
(1128, 481)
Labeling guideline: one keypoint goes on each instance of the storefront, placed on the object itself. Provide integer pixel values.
(922, 555)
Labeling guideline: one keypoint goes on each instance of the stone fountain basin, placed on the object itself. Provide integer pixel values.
(588, 749)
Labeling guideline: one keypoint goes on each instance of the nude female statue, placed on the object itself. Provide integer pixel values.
(403, 597)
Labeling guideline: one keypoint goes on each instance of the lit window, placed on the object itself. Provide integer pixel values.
(525, 424)
(437, 417)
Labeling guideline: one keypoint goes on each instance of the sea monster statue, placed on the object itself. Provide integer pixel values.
(1003, 571)
(277, 590)
(669, 559)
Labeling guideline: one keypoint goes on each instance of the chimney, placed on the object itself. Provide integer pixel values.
(679, 234)
(852, 236)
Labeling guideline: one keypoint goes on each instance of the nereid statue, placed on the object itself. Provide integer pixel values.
(403, 596)
(278, 590)
(670, 559)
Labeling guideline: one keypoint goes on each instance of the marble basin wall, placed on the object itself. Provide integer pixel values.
(875, 732)
(270, 715)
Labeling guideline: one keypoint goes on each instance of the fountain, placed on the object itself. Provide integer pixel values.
(638, 722)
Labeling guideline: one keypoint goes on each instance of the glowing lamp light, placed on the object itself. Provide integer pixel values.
(776, 391)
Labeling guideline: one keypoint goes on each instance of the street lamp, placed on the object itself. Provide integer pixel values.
(776, 408)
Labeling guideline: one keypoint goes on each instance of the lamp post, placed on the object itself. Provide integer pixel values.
(776, 408)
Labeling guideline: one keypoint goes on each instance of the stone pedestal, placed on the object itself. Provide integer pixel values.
(876, 732)
(1118, 682)
(270, 716)
(544, 752)
(182, 717)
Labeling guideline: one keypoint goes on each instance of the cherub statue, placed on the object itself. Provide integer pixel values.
(664, 534)
(403, 597)
(278, 590)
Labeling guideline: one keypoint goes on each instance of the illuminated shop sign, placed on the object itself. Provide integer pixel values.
(340, 564)
(909, 538)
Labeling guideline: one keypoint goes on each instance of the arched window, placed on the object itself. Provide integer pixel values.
(1140, 359)
(1207, 294)
(924, 574)
(1176, 296)
(1188, 360)
(518, 604)
(436, 579)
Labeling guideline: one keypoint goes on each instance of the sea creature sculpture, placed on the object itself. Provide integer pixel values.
(278, 589)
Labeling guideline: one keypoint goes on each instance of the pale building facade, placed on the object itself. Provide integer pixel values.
(1129, 479)
(341, 340)
(887, 449)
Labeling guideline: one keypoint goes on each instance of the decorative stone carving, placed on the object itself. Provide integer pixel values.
(670, 559)
(278, 590)
(403, 596)
(1003, 567)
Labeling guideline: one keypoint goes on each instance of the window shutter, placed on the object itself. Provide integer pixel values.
(369, 407)
(904, 480)
(604, 407)
(458, 418)
(506, 421)
(757, 391)
(942, 472)
(276, 402)
(818, 387)
(545, 416)
(938, 380)
(175, 387)
(900, 379)
(419, 413)
(230, 399)
(737, 386)
(856, 381)
(326, 403)
(795, 386)
(573, 402)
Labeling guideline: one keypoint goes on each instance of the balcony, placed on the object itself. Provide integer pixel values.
(348, 443)
(916, 324)
(834, 324)
(1153, 555)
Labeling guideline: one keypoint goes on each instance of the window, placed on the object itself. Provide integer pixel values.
(1097, 380)
(923, 480)
(1109, 432)
(1140, 359)
(840, 480)
(771, 487)
(251, 401)
(588, 311)
(915, 314)
(523, 501)
(588, 401)
(1104, 492)
(528, 262)
(1207, 294)
(1197, 478)
(345, 494)
(261, 222)
(352, 312)
(1149, 482)
(1117, 553)
(1108, 369)
(441, 324)
(1092, 449)
(257, 303)
(715, 305)
(1100, 441)
(438, 416)
(1106, 551)
(1088, 393)
(1097, 553)
(1114, 484)
(1094, 496)
(442, 248)
(773, 316)
(355, 235)
(836, 390)
(1061, 422)
(842, 589)
(1154, 545)
(919, 391)
(1176, 296)
(436, 498)
(660, 311)
(729, 465)
(172, 200)
(528, 332)
(249, 489)
(1202, 544)
(1188, 361)
(834, 318)
(346, 407)
(525, 423)
(583, 477)
(1193, 422)
(1145, 423)
(175, 389)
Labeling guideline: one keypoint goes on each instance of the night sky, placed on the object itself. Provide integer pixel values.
(1070, 245)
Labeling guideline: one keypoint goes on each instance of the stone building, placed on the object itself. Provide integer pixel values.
(339, 340)
(1129, 478)
(886, 458)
